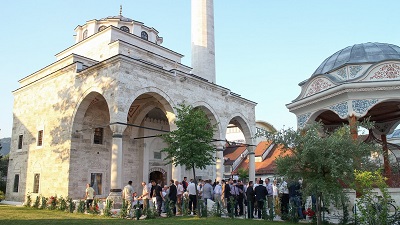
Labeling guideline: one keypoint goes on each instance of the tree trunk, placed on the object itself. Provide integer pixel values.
(197, 192)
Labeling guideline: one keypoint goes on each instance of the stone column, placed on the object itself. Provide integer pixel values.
(116, 163)
(176, 170)
(252, 163)
(219, 164)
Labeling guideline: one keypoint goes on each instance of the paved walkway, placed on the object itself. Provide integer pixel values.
(11, 203)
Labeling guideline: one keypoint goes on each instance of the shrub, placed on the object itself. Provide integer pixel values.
(81, 206)
(62, 204)
(71, 205)
(107, 208)
(37, 202)
(2, 197)
(28, 202)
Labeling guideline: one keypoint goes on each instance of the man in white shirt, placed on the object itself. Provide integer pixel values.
(127, 195)
(218, 194)
(179, 195)
(145, 196)
(285, 197)
(192, 197)
(270, 205)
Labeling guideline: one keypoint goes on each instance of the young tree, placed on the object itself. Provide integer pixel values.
(325, 161)
(191, 144)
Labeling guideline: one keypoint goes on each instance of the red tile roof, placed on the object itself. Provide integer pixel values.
(267, 166)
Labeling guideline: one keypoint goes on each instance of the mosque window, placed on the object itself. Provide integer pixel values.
(20, 139)
(157, 155)
(101, 28)
(144, 35)
(227, 169)
(40, 138)
(36, 179)
(84, 34)
(96, 182)
(98, 136)
(124, 28)
(16, 183)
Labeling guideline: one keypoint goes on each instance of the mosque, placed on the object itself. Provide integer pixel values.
(92, 116)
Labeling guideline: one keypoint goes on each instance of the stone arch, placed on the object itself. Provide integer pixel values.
(83, 104)
(212, 115)
(162, 97)
(239, 120)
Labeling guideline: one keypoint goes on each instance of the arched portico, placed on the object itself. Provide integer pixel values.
(149, 115)
(90, 145)
(239, 121)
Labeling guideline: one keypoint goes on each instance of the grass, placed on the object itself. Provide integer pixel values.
(22, 215)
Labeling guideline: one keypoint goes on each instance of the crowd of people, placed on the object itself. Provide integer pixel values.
(233, 196)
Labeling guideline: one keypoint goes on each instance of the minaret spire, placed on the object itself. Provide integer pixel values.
(203, 50)
(120, 10)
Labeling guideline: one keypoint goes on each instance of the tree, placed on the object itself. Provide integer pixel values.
(191, 144)
(325, 161)
(243, 174)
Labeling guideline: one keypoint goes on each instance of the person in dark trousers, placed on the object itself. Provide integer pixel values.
(250, 200)
(156, 191)
(172, 195)
(227, 195)
(240, 197)
(261, 196)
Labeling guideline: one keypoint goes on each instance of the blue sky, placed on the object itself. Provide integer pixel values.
(263, 48)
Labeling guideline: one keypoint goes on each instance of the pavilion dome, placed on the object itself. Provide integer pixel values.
(365, 53)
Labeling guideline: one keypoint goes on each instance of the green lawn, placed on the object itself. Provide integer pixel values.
(23, 215)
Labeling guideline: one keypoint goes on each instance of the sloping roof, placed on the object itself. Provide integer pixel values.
(233, 151)
(267, 166)
(261, 148)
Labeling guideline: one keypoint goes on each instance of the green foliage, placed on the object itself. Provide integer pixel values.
(37, 202)
(107, 209)
(216, 210)
(321, 159)
(232, 203)
(138, 212)
(28, 202)
(123, 213)
(201, 208)
(62, 204)
(185, 205)
(151, 212)
(3, 173)
(2, 197)
(71, 205)
(81, 206)
(43, 203)
(243, 174)
(373, 209)
(52, 203)
(191, 144)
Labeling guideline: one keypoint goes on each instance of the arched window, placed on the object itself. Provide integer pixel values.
(124, 28)
(84, 36)
(144, 35)
(101, 28)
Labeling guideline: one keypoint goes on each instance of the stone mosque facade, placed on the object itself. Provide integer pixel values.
(93, 115)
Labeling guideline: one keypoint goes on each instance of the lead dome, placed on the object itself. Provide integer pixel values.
(365, 53)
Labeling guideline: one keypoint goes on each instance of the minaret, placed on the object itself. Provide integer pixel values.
(203, 50)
